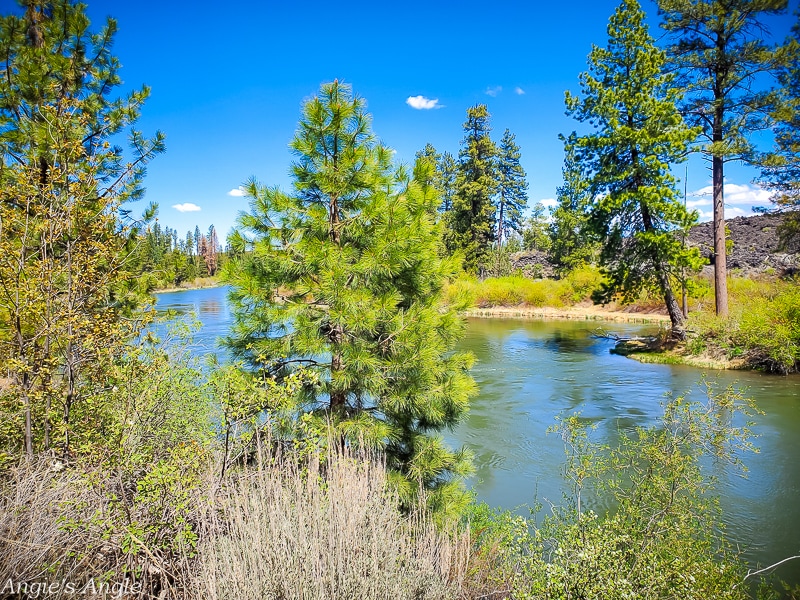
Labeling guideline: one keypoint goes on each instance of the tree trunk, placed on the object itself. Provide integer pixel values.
(720, 257)
(677, 320)
(26, 399)
(338, 398)
(676, 317)
(717, 176)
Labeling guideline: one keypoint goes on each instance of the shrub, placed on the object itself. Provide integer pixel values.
(662, 538)
(584, 280)
(763, 327)
(519, 291)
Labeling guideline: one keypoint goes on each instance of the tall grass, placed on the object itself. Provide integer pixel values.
(279, 529)
(332, 532)
(515, 290)
(762, 328)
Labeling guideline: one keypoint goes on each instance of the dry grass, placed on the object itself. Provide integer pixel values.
(332, 533)
(279, 530)
(68, 524)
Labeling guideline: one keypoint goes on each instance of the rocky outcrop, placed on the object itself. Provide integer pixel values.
(756, 246)
(533, 264)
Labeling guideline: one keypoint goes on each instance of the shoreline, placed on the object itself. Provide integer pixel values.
(565, 314)
(596, 313)
(193, 286)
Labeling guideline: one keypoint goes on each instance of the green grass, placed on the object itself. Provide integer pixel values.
(515, 290)
(762, 328)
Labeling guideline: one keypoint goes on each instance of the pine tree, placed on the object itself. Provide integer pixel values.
(534, 231)
(572, 239)
(637, 211)
(446, 173)
(512, 194)
(64, 236)
(723, 60)
(781, 168)
(470, 221)
(345, 278)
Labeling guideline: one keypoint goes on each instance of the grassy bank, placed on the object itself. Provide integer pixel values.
(196, 284)
(762, 330)
(518, 291)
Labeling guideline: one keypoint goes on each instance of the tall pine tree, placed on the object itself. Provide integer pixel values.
(720, 53)
(512, 188)
(470, 221)
(639, 132)
(781, 168)
(446, 174)
(345, 278)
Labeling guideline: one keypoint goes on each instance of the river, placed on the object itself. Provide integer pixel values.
(531, 371)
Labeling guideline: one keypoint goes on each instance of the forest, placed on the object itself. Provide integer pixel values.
(314, 464)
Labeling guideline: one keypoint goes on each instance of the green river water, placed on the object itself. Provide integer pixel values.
(531, 371)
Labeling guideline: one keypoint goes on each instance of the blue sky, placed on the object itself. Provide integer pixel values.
(228, 81)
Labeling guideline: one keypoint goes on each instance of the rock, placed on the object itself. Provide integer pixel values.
(756, 245)
(534, 264)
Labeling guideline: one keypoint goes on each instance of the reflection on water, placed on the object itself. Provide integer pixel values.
(530, 371)
(210, 307)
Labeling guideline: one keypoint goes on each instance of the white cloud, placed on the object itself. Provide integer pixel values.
(186, 207)
(519, 91)
(739, 199)
(549, 202)
(237, 192)
(737, 194)
(697, 203)
(422, 103)
(493, 91)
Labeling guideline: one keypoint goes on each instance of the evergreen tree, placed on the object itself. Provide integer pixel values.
(781, 168)
(446, 173)
(534, 232)
(637, 211)
(572, 239)
(345, 278)
(470, 222)
(63, 248)
(444, 177)
(429, 154)
(723, 59)
(512, 189)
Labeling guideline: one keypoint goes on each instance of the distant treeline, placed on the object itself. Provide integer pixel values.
(169, 260)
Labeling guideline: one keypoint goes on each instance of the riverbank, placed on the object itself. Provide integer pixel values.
(675, 356)
(678, 356)
(573, 313)
(199, 283)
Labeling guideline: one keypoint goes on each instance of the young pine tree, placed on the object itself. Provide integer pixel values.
(446, 172)
(639, 132)
(470, 221)
(345, 279)
(512, 194)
